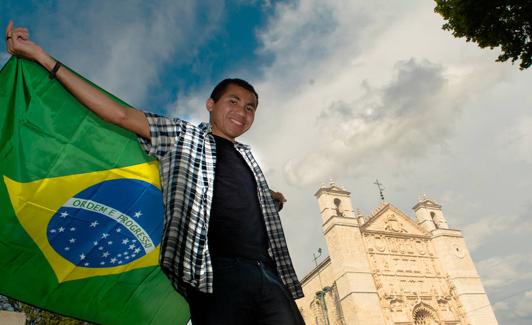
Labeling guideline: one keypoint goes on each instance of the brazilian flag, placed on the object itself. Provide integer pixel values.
(81, 211)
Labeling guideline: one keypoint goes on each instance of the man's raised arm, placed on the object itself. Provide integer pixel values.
(19, 44)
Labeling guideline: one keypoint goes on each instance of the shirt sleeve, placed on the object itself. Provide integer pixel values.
(164, 132)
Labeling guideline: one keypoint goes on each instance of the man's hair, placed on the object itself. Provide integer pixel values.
(220, 88)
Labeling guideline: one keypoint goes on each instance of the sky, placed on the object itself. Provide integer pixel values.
(350, 91)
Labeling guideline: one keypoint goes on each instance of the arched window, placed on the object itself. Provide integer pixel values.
(433, 215)
(424, 315)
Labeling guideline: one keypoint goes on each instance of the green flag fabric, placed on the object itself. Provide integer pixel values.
(81, 215)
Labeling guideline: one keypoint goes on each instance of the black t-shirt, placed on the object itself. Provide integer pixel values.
(236, 225)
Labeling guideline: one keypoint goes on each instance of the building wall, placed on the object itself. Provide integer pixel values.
(12, 318)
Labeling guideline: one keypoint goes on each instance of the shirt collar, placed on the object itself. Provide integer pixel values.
(206, 128)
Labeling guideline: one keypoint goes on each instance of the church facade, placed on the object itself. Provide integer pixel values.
(390, 269)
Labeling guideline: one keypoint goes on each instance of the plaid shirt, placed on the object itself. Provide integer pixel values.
(187, 158)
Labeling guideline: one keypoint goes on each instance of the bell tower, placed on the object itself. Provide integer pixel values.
(351, 269)
(429, 215)
(451, 250)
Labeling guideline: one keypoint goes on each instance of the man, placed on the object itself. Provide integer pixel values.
(223, 245)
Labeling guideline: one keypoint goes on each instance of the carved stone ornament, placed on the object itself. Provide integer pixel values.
(393, 225)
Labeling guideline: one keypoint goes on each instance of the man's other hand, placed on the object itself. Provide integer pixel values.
(279, 199)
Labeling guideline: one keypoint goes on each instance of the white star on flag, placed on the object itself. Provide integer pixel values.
(72, 240)
(138, 214)
(105, 254)
(82, 257)
(118, 230)
(61, 229)
(73, 228)
(137, 250)
(94, 224)
(125, 241)
(104, 235)
(132, 246)
(64, 214)
(113, 260)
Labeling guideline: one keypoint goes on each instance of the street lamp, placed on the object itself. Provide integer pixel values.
(320, 295)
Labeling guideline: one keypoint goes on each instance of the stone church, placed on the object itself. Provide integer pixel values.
(390, 269)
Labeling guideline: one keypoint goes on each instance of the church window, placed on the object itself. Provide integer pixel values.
(433, 215)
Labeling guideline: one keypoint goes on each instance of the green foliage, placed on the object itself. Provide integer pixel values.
(35, 315)
(492, 23)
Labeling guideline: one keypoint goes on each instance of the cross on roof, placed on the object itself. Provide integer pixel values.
(381, 189)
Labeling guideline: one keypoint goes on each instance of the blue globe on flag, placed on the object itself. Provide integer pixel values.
(108, 224)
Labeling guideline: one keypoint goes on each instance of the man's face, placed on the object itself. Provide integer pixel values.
(233, 113)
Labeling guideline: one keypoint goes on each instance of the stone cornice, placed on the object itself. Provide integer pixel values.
(446, 232)
(396, 234)
(426, 204)
(332, 189)
(326, 262)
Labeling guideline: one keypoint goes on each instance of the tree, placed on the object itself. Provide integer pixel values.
(37, 316)
(492, 23)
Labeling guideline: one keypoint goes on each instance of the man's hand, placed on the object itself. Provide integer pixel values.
(18, 43)
(279, 199)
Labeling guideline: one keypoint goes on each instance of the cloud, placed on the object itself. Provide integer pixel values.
(414, 111)
(524, 305)
(481, 232)
(508, 280)
(335, 90)
(516, 308)
(517, 140)
(501, 271)
(125, 45)
(304, 37)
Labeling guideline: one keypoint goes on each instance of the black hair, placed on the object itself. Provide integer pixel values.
(220, 88)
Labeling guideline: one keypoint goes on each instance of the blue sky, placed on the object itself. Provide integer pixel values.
(350, 91)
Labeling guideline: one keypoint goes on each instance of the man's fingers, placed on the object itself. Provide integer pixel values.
(16, 34)
(19, 30)
(8, 28)
(9, 37)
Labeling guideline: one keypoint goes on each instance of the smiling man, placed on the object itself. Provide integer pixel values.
(223, 246)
